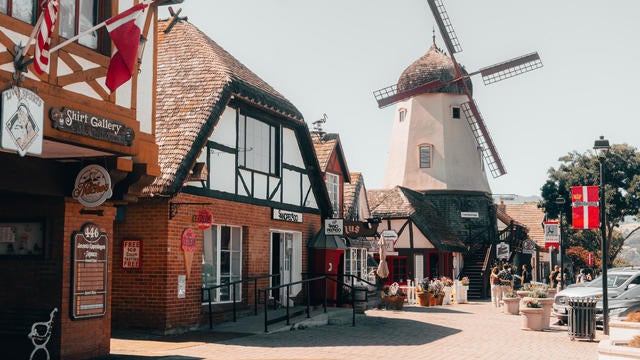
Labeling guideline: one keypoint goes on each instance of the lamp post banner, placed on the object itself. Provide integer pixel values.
(585, 206)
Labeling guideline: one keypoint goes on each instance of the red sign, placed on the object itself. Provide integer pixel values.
(586, 207)
(551, 234)
(188, 240)
(204, 219)
(590, 259)
(131, 254)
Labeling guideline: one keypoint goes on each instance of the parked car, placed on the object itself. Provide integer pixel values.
(628, 301)
(618, 280)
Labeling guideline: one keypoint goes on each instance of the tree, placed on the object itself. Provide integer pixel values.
(622, 194)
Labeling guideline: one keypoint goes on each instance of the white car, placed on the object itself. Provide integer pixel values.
(618, 280)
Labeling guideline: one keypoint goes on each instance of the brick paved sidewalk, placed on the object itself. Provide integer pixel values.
(475, 330)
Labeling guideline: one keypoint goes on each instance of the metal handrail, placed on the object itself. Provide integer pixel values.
(234, 284)
(324, 277)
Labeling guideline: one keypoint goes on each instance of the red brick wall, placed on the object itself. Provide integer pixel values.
(147, 298)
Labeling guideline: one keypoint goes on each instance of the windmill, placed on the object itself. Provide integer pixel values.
(491, 74)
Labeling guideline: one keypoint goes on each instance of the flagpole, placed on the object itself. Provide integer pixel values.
(32, 36)
(86, 32)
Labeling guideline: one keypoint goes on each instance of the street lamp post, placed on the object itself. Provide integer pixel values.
(601, 146)
(560, 203)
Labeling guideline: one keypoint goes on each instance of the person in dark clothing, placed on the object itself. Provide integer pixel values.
(553, 277)
(526, 275)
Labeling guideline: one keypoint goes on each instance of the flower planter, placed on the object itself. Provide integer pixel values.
(523, 293)
(435, 300)
(547, 304)
(611, 350)
(394, 302)
(461, 294)
(532, 318)
(511, 306)
(623, 331)
(423, 298)
(447, 296)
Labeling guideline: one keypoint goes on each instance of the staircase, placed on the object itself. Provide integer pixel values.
(473, 268)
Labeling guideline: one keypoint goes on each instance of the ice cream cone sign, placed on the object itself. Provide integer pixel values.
(188, 246)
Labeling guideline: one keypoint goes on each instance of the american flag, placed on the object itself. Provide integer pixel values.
(50, 12)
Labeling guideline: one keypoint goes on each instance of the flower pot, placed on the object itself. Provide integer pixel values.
(532, 318)
(447, 296)
(461, 294)
(547, 304)
(523, 293)
(423, 298)
(394, 302)
(511, 306)
(433, 300)
(623, 331)
(439, 299)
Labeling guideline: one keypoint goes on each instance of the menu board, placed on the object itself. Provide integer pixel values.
(24, 238)
(89, 272)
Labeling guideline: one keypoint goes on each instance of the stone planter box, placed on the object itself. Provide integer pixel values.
(511, 306)
(611, 350)
(623, 331)
(532, 318)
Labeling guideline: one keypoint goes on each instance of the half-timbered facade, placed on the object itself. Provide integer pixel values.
(56, 235)
(239, 195)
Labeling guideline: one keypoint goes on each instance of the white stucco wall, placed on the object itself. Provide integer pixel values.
(456, 160)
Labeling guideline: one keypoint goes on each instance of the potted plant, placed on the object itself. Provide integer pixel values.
(448, 286)
(540, 294)
(533, 316)
(436, 288)
(422, 292)
(393, 297)
(511, 303)
(461, 290)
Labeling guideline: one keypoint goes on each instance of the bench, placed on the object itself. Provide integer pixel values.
(25, 331)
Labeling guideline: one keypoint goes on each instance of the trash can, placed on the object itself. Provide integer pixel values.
(360, 299)
(582, 318)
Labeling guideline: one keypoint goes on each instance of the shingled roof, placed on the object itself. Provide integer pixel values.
(351, 194)
(196, 78)
(531, 216)
(325, 145)
(403, 202)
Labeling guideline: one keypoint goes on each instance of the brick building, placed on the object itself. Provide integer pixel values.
(235, 153)
(56, 235)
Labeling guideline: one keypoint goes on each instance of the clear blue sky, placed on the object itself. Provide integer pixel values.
(329, 56)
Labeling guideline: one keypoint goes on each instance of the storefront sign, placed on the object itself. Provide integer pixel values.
(284, 215)
(528, 246)
(469, 215)
(356, 229)
(188, 246)
(22, 121)
(389, 235)
(333, 227)
(132, 254)
(502, 251)
(551, 234)
(204, 219)
(98, 127)
(93, 186)
(89, 272)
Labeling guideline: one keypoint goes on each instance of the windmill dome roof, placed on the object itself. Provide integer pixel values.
(434, 65)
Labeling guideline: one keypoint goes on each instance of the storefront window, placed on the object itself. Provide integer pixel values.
(356, 262)
(222, 261)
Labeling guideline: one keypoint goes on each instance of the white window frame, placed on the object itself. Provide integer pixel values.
(259, 145)
(333, 187)
(212, 253)
(402, 114)
(420, 156)
(355, 262)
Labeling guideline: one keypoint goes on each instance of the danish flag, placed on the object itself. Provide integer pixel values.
(50, 16)
(585, 207)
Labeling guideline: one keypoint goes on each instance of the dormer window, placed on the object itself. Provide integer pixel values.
(425, 156)
(402, 114)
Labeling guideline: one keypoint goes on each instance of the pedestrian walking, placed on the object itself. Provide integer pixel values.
(553, 277)
(526, 275)
(496, 289)
(506, 279)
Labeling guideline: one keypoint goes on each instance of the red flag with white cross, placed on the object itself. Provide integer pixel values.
(585, 205)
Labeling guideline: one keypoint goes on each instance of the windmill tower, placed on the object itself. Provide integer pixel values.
(439, 139)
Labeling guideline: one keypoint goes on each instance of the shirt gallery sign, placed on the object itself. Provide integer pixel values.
(82, 123)
(284, 215)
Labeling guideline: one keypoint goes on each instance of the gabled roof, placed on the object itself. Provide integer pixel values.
(531, 216)
(196, 79)
(403, 202)
(351, 193)
(325, 145)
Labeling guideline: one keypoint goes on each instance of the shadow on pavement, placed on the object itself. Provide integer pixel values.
(434, 309)
(136, 357)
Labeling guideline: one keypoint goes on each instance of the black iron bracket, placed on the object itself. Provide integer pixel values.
(173, 207)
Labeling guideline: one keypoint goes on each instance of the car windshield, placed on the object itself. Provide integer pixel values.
(632, 293)
(613, 280)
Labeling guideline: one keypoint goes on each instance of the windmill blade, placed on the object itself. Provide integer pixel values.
(489, 152)
(510, 68)
(390, 95)
(444, 25)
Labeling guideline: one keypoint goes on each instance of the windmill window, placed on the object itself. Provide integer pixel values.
(23, 10)
(455, 112)
(425, 156)
(402, 114)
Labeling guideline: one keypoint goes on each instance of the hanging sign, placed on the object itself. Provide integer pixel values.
(551, 234)
(89, 271)
(98, 127)
(188, 246)
(528, 246)
(132, 254)
(93, 186)
(204, 219)
(585, 206)
(22, 121)
(502, 251)
(333, 227)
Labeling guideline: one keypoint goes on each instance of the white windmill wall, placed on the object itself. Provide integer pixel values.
(456, 160)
